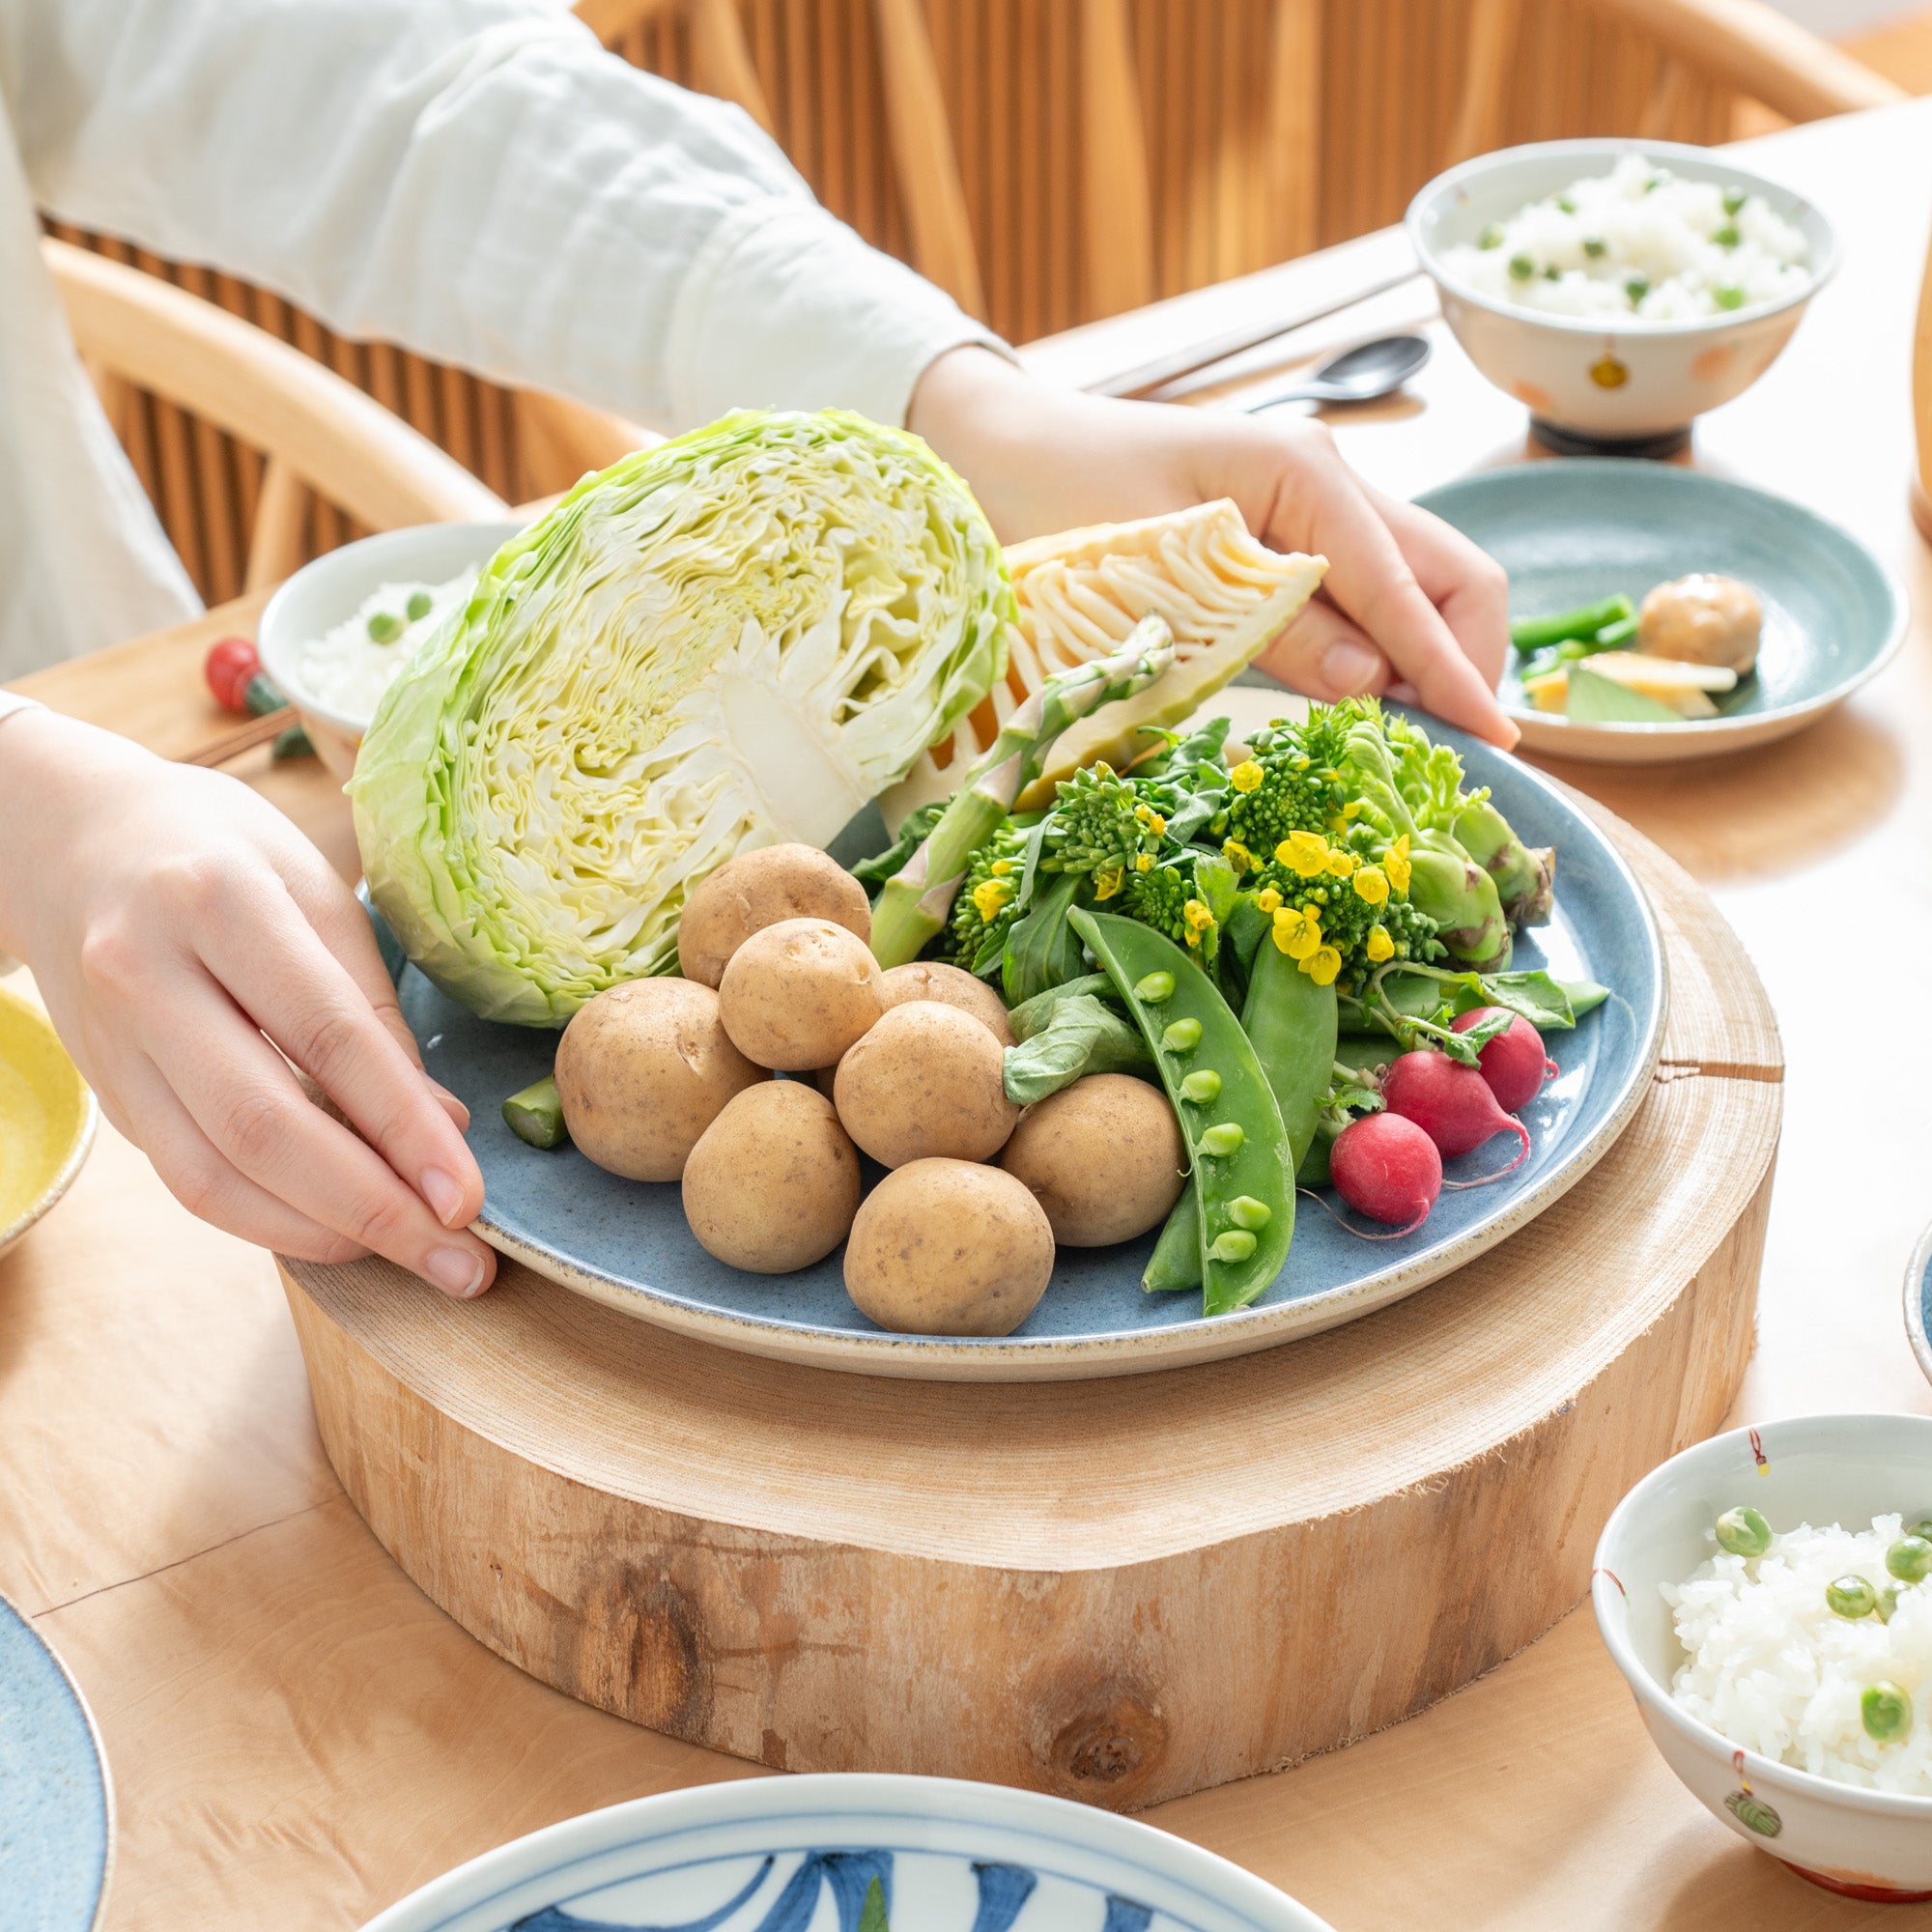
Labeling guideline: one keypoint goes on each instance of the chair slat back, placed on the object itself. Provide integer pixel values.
(317, 430)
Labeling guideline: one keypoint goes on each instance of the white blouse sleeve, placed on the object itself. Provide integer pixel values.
(478, 181)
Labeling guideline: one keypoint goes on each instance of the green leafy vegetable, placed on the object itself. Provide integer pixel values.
(741, 634)
(1082, 1037)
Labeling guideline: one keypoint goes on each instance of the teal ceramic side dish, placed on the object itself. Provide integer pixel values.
(56, 1831)
(1569, 533)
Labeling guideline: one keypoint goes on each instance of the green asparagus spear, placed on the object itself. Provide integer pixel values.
(915, 903)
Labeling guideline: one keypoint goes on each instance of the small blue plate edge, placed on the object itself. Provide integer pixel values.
(80, 1772)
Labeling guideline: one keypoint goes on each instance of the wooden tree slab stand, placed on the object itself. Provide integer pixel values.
(1121, 1590)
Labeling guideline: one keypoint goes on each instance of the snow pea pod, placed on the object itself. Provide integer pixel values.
(1236, 1145)
(1292, 1024)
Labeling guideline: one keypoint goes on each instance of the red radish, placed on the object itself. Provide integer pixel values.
(1451, 1103)
(1388, 1168)
(1513, 1063)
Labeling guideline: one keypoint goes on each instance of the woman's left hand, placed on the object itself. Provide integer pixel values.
(1408, 605)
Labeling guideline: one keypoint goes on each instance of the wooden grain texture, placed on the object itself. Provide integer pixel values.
(828, 1572)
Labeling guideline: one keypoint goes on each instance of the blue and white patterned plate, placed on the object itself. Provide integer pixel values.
(56, 1831)
(848, 1854)
(627, 1244)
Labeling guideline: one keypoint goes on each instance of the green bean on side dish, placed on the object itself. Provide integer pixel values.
(1237, 1145)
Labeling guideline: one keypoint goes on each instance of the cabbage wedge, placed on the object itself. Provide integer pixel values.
(737, 638)
(1224, 595)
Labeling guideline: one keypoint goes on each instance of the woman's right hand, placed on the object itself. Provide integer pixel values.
(195, 952)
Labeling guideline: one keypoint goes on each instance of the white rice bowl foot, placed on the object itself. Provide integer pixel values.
(1762, 1718)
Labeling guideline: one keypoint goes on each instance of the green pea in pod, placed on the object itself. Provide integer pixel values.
(1237, 1147)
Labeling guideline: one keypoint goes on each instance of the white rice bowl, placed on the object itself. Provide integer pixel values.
(346, 670)
(1771, 1666)
(1580, 251)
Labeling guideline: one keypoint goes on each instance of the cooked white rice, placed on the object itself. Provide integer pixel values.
(1637, 245)
(346, 670)
(1773, 1667)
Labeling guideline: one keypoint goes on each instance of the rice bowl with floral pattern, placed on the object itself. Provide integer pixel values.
(1606, 381)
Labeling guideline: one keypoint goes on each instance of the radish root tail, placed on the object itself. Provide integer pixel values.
(1522, 1155)
(1361, 1235)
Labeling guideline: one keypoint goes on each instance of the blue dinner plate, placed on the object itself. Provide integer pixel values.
(1571, 532)
(805, 1855)
(55, 1830)
(627, 1244)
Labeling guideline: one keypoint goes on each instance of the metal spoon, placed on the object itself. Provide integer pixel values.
(1357, 375)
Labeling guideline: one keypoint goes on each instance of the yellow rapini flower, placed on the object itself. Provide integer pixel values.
(990, 899)
(1337, 824)
(1238, 856)
(1106, 884)
(1321, 965)
(1372, 884)
(1304, 853)
(1352, 809)
(1342, 862)
(1381, 946)
(1001, 867)
(1395, 862)
(1150, 818)
(1298, 932)
(1246, 776)
(1268, 900)
(1198, 920)
(1145, 862)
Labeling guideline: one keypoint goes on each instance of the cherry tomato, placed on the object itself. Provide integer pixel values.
(232, 662)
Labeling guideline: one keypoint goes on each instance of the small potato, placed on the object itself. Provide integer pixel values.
(948, 1247)
(951, 987)
(641, 1071)
(774, 1183)
(797, 994)
(758, 888)
(1103, 1157)
(928, 1081)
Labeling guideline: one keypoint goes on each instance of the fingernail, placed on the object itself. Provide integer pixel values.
(1347, 667)
(448, 1098)
(443, 1195)
(455, 1270)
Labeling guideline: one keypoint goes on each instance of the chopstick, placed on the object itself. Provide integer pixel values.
(244, 737)
(1147, 377)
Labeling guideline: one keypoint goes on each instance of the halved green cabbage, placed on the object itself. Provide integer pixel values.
(734, 638)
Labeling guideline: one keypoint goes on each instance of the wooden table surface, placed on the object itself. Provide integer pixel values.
(298, 1738)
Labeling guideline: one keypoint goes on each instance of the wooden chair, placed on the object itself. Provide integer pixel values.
(319, 434)
(1740, 46)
